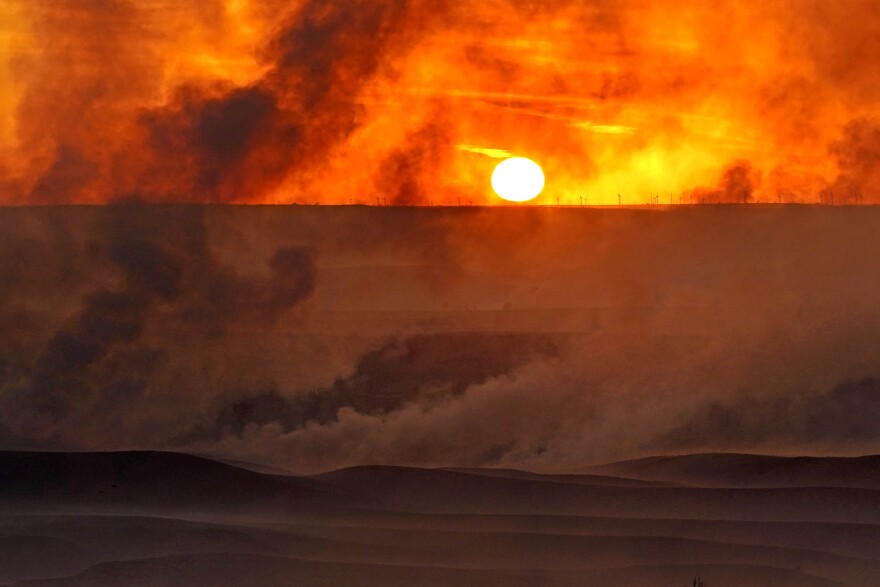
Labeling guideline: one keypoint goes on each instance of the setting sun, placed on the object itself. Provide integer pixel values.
(518, 179)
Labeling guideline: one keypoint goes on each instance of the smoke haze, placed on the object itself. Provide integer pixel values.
(353, 100)
(314, 338)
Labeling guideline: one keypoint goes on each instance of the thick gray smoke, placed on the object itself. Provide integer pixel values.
(166, 276)
(317, 337)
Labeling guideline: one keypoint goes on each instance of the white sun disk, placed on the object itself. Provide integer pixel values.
(518, 179)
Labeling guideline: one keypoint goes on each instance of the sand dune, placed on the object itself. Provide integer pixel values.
(594, 480)
(23, 557)
(70, 519)
(119, 538)
(226, 570)
(440, 491)
(743, 470)
(144, 481)
(522, 550)
(855, 540)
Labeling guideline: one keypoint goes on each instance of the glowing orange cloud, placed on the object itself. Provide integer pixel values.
(410, 101)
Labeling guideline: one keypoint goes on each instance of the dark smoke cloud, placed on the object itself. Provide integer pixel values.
(109, 319)
(858, 159)
(92, 130)
(70, 172)
(93, 62)
(213, 145)
(408, 176)
(168, 275)
(420, 369)
(39, 273)
(737, 185)
(226, 146)
(846, 415)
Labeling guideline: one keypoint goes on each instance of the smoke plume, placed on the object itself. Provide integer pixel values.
(317, 337)
(352, 100)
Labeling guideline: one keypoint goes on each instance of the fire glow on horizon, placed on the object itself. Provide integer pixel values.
(414, 101)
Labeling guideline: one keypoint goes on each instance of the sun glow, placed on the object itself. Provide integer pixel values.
(518, 180)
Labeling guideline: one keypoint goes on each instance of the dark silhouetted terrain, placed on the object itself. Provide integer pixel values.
(164, 520)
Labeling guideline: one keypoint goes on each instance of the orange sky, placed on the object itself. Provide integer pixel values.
(414, 101)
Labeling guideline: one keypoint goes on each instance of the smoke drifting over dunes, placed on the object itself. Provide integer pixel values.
(847, 413)
(245, 101)
(202, 384)
(430, 369)
(315, 337)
